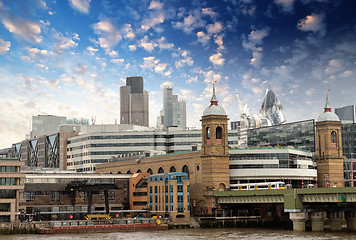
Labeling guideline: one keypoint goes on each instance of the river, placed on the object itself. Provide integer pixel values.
(188, 234)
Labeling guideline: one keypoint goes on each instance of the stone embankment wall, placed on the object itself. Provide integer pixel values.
(17, 228)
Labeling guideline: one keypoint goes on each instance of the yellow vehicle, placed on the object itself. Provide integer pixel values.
(98, 217)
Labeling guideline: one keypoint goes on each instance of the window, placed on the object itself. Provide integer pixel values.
(219, 133)
(333, 139)
(160, 170)
(172, 169)
(207, 133)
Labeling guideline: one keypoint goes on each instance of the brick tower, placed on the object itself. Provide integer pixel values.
(329, 150)
(215, 150)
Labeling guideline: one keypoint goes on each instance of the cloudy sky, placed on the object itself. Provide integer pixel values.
(70, 57)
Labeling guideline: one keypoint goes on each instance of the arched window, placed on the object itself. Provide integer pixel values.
(172, 169)
(207, 133)
(333, 139)
(160, 170)
(139, 170)
(150, 171)
(219, 133)
(119, 172)
(128, 172)
(185, 169)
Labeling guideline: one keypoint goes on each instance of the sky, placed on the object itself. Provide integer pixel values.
(70, 57)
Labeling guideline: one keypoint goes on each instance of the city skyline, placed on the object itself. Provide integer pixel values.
(70, 58)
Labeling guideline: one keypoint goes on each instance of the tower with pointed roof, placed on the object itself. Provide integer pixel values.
(215, 150)
(329, 155)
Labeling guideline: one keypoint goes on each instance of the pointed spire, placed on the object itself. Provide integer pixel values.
(214, 100)
(327, 108)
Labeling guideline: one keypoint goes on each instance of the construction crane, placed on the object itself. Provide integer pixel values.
(244, 109)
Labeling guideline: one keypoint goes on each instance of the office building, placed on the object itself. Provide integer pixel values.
(134, 102)
(288, 165)
(169, 195)
(49, 124)
(11, 182)
(299, 135)
(346, 114)
(138, 191)
(174, 110)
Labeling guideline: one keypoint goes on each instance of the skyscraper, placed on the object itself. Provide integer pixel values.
(134, 102)
(174, 111)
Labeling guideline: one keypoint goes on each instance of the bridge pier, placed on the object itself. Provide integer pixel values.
(298, 220)
(335, 220)
(351, 220)
(317, 221)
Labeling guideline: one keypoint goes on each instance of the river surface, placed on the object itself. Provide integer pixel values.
(187, 234)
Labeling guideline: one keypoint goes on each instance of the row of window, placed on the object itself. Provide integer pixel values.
(127, 136)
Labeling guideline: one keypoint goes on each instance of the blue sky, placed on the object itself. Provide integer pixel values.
(69, 58)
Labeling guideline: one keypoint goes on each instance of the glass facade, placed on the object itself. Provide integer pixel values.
(299, 135)
(348, 133)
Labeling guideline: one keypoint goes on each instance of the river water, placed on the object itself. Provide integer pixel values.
(188, 234)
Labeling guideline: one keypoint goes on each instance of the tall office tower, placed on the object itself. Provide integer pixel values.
(347, 113)
(272, 109)
(174, 111)
(134, 102)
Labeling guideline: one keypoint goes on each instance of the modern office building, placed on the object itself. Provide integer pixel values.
(64, 196)
(45, 124)
(346, 114)
(299, 135)
(288, 165)
(11, 183)
(348, 133)
(134, 101)
(169, 195)
(174, 110)
(46, 151)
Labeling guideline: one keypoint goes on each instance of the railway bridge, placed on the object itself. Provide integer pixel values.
(336, 206)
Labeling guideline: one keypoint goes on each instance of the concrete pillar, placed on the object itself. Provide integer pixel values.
(317, 221)
(298, 220)
(335, 220)
(351, 220)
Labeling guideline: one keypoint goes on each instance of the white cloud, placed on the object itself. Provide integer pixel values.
(154, 64)
(190, 22)
(92, 50)
(184, 60)
(132, 47)
(211, 77)
(253, 42)
(217, 59)
(155, 5)
(109, 34)
(215, 28)
(203, 37)
(313, 23)
(24, 28)
(286, 5)
(151, 45)
(209, 11)
(192, 79)
(117, 60)
(4, 46)
(153, 20)
(128, 32)
(80, 5)
(63, 43)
